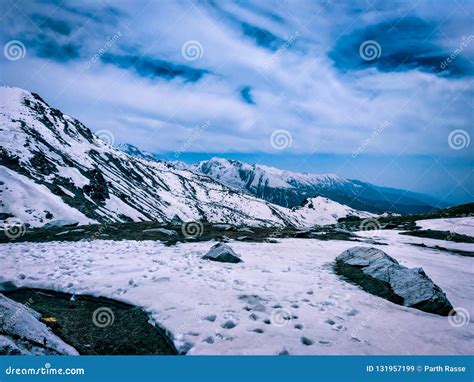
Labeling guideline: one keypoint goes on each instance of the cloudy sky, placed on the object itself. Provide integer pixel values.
(378, 91)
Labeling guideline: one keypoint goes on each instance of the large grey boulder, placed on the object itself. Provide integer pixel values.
(23, 333)
(382, 275)
(223, 253)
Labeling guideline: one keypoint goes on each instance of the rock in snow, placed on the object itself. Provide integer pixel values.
(164, 231)
(223, 253)
(61, 223)
(22, 333)
(382, 275)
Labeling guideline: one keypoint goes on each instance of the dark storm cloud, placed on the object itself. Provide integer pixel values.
(262, 37)
(149, 67)
(246, 95)
(58, 26)
(260, 10)
(54, 50)
(401, 45)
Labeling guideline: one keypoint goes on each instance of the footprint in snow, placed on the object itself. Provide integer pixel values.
(306, 341)
(324, 342)
(352, 312)
(339, 328)
(229, 324)
(210, 318)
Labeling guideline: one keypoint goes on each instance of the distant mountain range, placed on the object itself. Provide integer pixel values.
(53, 167)
(291, 189)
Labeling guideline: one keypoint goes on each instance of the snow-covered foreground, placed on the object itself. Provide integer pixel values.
(217, 308)
(463, 226)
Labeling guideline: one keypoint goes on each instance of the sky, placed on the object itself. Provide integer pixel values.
(371, 90)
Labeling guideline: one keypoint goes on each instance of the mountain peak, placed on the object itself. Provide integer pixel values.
(13, 97)
(290, 189)
(136, 152)
(53, 167)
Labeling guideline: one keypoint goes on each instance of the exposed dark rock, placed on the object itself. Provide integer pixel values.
(97, 189)
(223, 253)
(349, 218)
(378, 273)
(42, 164)
(61, 223)
(176, 220)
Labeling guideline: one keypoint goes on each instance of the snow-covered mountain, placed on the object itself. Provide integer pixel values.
(290, 189)
(53, 167)
(136, 152)
(321, 211)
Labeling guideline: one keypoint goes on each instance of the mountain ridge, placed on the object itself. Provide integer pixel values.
(290, 189)
(53, 167)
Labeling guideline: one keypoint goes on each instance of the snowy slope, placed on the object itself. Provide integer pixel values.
(55, 153)
(463, 226)
(290, 189)
(321, 211)
(30, 201)
(53, 167)
(218, 308)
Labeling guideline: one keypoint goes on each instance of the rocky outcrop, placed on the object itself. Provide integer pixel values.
(21, 332)
(61, 223)
(223, 253)
(49, 159)
(382, 275)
